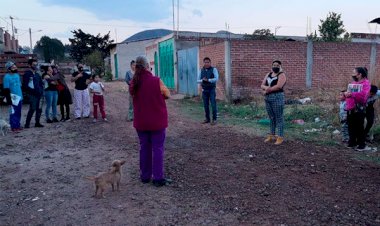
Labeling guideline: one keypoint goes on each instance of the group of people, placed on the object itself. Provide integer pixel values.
(50, 90)
(147, 107)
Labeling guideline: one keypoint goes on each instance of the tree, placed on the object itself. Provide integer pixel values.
(332, 28)
(260, 34)
(84, 44)
(95, 61)
(49, 49)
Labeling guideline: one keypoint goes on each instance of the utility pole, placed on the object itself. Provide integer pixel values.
(177, 18)
(30, 39)
(173, 18)
(13, 31)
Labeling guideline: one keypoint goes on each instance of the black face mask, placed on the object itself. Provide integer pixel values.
(14, 71)
(80, 69)
(355, 78)
(276, 69)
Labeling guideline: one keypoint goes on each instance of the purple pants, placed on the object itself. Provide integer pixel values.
(152, 154)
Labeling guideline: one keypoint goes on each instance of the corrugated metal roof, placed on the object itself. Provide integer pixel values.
(148, 34)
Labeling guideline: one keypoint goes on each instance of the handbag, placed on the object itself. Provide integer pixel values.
(60, 87)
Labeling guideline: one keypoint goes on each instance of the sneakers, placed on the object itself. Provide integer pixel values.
(279, 140)
(94, 120)
(67, 119)
(49, 121)
(270, 138)
(105, 119)
(55, 120)
(213, 122)
(363, 148)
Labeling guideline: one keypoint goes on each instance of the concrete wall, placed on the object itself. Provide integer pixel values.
(126, 52)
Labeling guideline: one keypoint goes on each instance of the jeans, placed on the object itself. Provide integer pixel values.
(209, 96)
(51, 102)
(15, 115)
(34, 106)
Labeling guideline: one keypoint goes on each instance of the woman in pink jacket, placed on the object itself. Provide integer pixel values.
(356, 99)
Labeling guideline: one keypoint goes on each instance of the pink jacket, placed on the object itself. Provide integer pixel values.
(358, 97)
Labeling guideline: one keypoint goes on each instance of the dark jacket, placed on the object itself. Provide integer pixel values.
(38, 86)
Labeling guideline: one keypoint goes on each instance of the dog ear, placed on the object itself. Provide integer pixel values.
(122, 162)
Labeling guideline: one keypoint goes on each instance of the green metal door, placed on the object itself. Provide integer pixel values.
(167, 62)
(116, 66)
(155, 63)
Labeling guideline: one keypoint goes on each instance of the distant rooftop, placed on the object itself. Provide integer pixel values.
(147, 35)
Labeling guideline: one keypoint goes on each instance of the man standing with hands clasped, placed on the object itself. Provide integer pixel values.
(208, 78)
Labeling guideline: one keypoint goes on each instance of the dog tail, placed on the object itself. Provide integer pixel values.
(89, 178)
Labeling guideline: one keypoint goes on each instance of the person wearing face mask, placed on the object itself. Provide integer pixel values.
(356, 100)
(13, 95)
(273, 87)
(81, 93)
(34, 87)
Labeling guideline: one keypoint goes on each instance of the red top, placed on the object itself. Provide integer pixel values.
(149, 107)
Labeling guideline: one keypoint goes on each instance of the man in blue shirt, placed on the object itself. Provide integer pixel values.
(13, 94)
(208, 78)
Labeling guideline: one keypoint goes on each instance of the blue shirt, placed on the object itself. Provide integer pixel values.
(13, 83)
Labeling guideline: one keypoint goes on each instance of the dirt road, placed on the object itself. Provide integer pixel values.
(215, 181)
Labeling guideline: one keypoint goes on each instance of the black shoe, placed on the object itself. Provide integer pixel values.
(62, 120)
(49, 121)
(162, 182)
(55, 120)
(86, 117)
(38, 125)
(78, 118)
(67, 119)
(145, 181)
(206, 121)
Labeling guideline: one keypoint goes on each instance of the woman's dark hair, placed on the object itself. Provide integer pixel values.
(141, 66)
(363, 71)
(277, 61)
(132, 62)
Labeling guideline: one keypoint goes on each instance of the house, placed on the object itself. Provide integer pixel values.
(175, 58)
(121, 54)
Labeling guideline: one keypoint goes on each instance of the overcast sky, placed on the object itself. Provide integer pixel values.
(123, 18)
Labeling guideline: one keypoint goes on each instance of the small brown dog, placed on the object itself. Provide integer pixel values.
(112, 177)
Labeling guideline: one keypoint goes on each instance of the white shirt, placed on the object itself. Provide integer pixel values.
(96, 87)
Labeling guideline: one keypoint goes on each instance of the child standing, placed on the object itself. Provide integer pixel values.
(97, 88)
(370, 111)
(343, 117)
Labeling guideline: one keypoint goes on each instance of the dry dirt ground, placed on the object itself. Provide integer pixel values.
(214, 180)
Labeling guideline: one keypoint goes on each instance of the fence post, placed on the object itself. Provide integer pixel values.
(309, 64)
(227, 63)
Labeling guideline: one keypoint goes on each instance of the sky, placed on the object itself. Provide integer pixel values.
(123, 18)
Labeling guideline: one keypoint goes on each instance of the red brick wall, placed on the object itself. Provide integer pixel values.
(252, 60)
(216, 53)
(333, 64)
